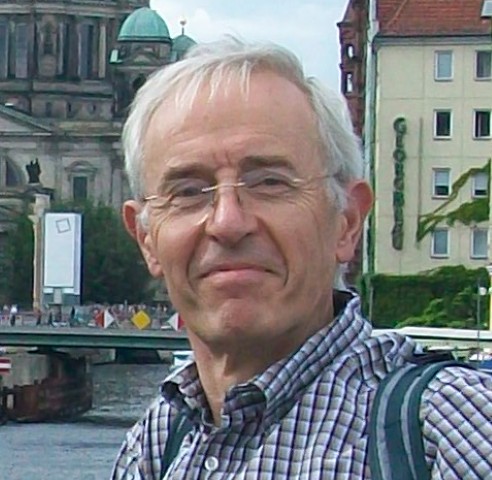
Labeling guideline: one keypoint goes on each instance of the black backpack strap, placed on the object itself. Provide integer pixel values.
(180, 426)
(396, 449)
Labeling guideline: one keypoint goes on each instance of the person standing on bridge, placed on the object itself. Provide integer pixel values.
(248, 201)
(13, 315)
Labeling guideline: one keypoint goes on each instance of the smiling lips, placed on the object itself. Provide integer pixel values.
(234, 269)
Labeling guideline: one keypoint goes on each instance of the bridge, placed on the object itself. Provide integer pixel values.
(92, 337)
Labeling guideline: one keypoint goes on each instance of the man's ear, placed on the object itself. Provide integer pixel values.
(359, 202)
(131, 211)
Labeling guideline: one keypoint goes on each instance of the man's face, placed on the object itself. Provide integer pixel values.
(244, 271)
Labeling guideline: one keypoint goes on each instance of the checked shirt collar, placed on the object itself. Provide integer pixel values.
(271, 394)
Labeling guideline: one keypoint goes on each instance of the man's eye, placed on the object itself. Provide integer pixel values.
(273, 181)
(268, 181)
(187, 189)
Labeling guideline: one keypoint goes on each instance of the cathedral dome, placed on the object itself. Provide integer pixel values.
(144, 25)
(181, 44)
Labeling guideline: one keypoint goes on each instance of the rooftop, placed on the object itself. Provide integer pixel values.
(431, 18)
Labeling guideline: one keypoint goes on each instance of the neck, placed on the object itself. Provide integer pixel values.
(222, 367)
(220, 370)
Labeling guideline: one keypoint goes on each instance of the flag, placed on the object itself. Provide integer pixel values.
(99, 318)
(141, 320)
(176, 321)
(108, 319)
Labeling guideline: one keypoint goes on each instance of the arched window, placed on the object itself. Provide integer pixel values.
(81, 176)
(10, 175)
(350, 50)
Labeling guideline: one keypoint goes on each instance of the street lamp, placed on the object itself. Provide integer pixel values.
(489, 271)
(487, 13)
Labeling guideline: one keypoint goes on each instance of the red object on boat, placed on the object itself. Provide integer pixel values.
(5, 365)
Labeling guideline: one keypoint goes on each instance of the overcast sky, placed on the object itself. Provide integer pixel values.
(307, 27)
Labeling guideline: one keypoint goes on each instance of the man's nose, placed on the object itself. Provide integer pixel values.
(229, 222)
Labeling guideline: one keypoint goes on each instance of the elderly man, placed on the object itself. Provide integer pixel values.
(249, 198)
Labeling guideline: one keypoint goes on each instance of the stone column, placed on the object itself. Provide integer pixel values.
(41, 204)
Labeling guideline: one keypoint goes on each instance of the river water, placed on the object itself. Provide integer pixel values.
(83, 449)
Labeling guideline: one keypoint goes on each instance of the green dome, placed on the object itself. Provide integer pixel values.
(181, 44)
(144, 25)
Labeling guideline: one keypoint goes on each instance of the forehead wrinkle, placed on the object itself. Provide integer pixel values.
(250, 162)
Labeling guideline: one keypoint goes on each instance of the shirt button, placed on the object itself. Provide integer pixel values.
(211, 464)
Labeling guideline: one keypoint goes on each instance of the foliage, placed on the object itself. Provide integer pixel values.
(17, 262)
(5, 270)
(390, 300)
(475, 211)
(456, 312)
(112, 267)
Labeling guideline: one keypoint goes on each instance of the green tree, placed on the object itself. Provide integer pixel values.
(17, 260)
(460, 311)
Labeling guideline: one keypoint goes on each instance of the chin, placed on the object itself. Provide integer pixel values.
(234, 321)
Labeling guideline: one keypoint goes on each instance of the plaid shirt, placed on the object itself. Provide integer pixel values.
(306, 416)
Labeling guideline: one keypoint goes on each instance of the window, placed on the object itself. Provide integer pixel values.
(4, 50)
(481, 127)
(479, 243)
(62, 48)
(483, 64)
(440, 242)
(81, 175)
(9, 174)
(21, 50)
(87, 39)
(48, 110)
(348, 83)
(480, 185)
(79, 188)
(441, 187)
(442, 124)
(443, 65)
(48, 46)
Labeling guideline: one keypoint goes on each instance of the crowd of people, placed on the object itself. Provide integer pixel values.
(84, 315)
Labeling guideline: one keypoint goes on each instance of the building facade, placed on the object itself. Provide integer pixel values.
(427, 134)
(68, 72)
(353, 40)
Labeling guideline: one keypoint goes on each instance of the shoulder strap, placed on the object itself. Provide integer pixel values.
(180, 426)
(396, 449)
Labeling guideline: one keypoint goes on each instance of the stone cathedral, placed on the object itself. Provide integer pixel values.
(68, 72)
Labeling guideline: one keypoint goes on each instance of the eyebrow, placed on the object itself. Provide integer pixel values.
(195, 169)
(252, 162)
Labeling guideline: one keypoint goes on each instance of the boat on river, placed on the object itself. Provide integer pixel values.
(65, 392)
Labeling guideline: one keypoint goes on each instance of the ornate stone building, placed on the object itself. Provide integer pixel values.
(353, 37)
(68, 71)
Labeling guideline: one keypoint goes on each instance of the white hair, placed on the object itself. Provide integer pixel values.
(227, 62)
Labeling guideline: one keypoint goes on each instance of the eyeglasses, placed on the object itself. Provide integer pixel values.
(261, 186)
